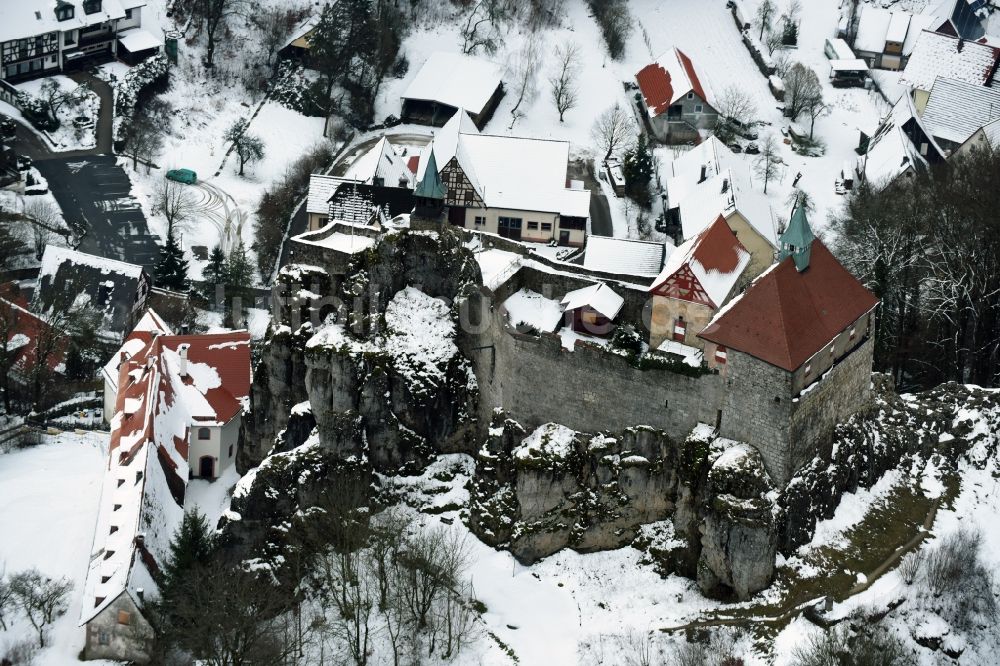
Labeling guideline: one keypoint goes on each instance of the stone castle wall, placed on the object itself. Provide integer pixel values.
(535, 380)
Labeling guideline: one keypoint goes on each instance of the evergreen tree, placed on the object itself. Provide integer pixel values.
(172, 267)
(638, 170)
(192, 545)
(239, 283)
(216, 272)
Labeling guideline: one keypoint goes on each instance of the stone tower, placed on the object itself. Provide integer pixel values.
(797, 240)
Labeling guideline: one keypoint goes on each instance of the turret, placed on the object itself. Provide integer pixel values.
(430, 192)
(797, 240)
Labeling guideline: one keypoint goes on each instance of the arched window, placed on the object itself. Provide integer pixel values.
(204, 433)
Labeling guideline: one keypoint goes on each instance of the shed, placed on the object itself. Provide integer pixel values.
(593, 308)
(450, 81)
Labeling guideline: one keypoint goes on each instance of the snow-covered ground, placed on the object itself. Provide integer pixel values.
(49, 496)
(83, 108)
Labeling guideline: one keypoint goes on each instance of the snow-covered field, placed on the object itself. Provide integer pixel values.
(48, 507)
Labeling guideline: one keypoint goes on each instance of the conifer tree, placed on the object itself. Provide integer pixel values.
(638, 170)
(239, 283)
(172, 267)
(216, 271)
(191, 546)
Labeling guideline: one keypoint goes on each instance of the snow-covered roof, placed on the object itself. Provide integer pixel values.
(872, 28)
(302, 30)
(55, 256)
(890, 153)
(624, 256)
(455, 80)
(937, 55)
(991, 134)
(715, 256)
(852, 65)
(690, 355)
(727, 193)
(172, 384)
(381, 165)
(340, 239)
(899, 22)
(956, 109)
(29, 18)
(497, 167)
(668, 79)
(599, 297)
(709, 158)
(137, 39)
(148, 326)
(321, 188)
(527, 307)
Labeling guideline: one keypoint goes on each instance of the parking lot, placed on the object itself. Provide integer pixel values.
(95, 191)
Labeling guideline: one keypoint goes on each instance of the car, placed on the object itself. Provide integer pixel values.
(752, 149)
(186, 176)
(735, 147)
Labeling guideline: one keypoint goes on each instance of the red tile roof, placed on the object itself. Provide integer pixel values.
(21, 322)
(718, 248)
(669, 78)
(785, 316)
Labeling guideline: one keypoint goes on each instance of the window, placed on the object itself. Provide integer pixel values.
(103, 638)
(91, 6)
(469, 199)
(680, 329)
(533, 225)
(509, 227)
(854, 332)
(690, 95)
(480, 221)
(64, 12)
(721, 355)
(573, 223)
(128, 14)
(204, 433)
(114, 528)
(698, 108)
(546, 226)
(230, 450)
(124, 617)
(69, 38)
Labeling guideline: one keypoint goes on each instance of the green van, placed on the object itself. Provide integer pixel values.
(185, 176)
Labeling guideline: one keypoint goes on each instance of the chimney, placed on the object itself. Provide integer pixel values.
(184, 329)
(183, 370)
(704, 173)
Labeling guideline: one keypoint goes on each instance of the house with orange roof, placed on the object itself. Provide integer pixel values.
(699, 277)
(178, 405)
(675, 99)
(799, 353)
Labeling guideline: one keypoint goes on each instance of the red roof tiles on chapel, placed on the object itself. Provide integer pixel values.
(785, 316)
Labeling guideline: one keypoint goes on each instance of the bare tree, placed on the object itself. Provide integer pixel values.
(55, 96)
(42, 599)
(802, 87)
(524, 74)
(768, 160)
(45, 222)
(613, 130)
(772, 40)
(6, 594)
(765, 12)
(143, 139)
(177, 204)
(482, 27)
(248, 147)
(736, 104)
(563, 80)
(214, 14)
(815, 107)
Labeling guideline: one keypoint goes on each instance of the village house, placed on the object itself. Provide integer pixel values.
(939, 55)
(297, 45)
(901, 146)
(448, 82)
(698, 278)
(178, 402)
(798, 353)
(986, 137)
(116, 290)
(885, 39)
(511, 186)
(40, 37)
(592, 310)
(956, 109)
(674, 100)
(346, 200)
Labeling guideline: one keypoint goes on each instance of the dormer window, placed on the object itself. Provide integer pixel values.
(65, 11)
(91, 6)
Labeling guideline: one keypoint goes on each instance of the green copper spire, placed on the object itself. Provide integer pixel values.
(797, 240)
(430, 186)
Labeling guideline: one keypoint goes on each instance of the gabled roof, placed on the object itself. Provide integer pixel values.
(710, 157)
(29, 18)
(149, 326)
(668, 79)
(599, 297)
(938, 55)
(23, 331)
(160, 399)
(110, 287)
(724, 194)
(990, 137)
(956, 109)
(321, 189)
(785, 317)
(715, 257)
(456, 80)
(381, 162)
(623, 256)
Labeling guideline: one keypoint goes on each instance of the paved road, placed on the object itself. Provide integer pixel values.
(600, 211)
(93, 193)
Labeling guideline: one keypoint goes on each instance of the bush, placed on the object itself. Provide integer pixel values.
(870, 646)
(278, 203)
(909, 566)
(19, 653)
(131, 87)
(961, 584)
